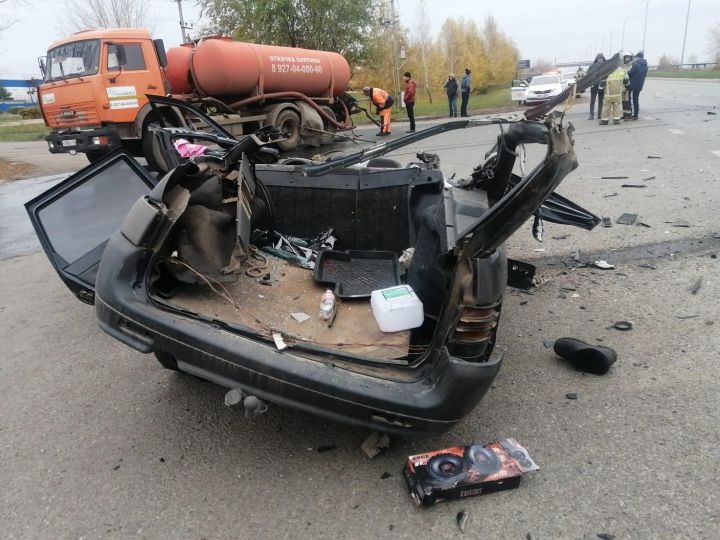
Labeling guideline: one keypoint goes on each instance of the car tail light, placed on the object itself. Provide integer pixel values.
(476, 324)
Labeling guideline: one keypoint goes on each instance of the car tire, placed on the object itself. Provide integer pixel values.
(166, 360)
(92, 157)
(288, 121)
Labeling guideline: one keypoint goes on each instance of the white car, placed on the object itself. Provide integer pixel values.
(544, 87)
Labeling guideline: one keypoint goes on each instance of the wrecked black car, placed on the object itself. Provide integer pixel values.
(211, 266)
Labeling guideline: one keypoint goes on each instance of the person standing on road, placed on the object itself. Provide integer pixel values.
(616, 82)
(465, 88)
(597, 90)
(409, 99)
(451, 87)
(627, 64)
(383, 107)
(637, 75)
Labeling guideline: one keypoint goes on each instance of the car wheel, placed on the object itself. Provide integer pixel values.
(166, 360)
(288, 121)
(92, 157)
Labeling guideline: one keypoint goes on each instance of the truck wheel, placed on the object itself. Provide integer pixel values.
(92, 157)
(166, 360)
(288, 121)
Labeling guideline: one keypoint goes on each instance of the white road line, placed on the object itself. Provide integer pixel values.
(676, 131)
(716, 152)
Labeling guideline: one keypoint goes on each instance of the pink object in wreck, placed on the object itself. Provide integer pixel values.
(187, 149)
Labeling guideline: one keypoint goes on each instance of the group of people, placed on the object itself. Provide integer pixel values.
(618, 96)
(383, 101)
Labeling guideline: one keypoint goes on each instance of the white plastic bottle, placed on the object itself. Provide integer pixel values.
(327, 305)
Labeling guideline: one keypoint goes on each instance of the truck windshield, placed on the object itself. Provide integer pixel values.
(73, 60)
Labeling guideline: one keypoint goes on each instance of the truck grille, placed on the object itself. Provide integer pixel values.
(78, 114)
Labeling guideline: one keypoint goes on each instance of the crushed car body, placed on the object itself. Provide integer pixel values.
(205, 266)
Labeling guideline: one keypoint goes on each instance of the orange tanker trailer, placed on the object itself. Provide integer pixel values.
(95, 86)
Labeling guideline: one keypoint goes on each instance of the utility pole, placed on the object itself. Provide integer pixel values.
(647, 8)
(622, 39)
(611, 36)
(390, 22)
(687, 18)
(183, 25)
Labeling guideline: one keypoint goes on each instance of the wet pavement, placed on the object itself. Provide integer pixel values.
(17, 236)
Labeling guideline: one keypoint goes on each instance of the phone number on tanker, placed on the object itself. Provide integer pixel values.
(295, 68)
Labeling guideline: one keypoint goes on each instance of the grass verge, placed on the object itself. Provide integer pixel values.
(23, 133)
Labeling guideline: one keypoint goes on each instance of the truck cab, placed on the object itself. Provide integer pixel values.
(94, 89)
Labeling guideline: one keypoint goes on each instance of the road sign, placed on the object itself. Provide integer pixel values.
(523, 64)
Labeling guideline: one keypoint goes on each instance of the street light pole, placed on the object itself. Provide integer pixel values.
(687, 18)
(647, 8)
(622, 39)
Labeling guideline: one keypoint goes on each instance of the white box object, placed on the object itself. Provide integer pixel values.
(397, 308)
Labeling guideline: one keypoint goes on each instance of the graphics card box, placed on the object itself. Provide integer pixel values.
(464, 471)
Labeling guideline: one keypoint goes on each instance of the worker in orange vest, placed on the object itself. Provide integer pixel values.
(383, 107)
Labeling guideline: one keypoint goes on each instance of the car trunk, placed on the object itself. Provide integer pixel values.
(379, 211)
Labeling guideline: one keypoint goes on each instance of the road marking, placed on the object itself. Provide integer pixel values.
(676, 131)
(716, 152)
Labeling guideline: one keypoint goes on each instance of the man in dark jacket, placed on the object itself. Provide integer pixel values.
(451, 87)
(465, 87)
(597, 90)
(637, 75)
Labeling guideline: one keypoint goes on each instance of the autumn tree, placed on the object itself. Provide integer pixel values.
(502, 52)
(5, 94)
(423, 44)
(96, 14)
(343, 26)
(714, 43)
(667, 62)
(8, 9)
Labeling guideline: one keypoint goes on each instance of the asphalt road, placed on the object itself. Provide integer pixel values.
(98, 441)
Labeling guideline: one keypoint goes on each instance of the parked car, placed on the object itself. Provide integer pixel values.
(181, 265)
(544, 87)
(518, 91)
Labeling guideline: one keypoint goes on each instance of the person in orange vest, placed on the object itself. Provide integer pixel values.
(383, 107)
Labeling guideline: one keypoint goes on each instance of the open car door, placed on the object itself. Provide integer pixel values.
(74, 219)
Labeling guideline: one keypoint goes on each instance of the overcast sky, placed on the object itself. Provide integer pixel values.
(550, 29)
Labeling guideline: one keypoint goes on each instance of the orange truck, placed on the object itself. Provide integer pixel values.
(95, 85)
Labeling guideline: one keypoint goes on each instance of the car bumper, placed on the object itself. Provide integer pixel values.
(100, 140)
(540, 99)
(414, 401)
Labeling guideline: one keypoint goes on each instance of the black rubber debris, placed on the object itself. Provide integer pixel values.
(385, 475)
(624, 326)
(606, 536)
(654, 157)
(328, 448)
(585, 357)
(571, 395)
(634, 185)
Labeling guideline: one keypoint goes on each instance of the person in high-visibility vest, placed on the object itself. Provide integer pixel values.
(383, 107)
(612, 102)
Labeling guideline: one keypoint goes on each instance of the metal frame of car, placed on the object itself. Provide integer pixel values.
(427, 395)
